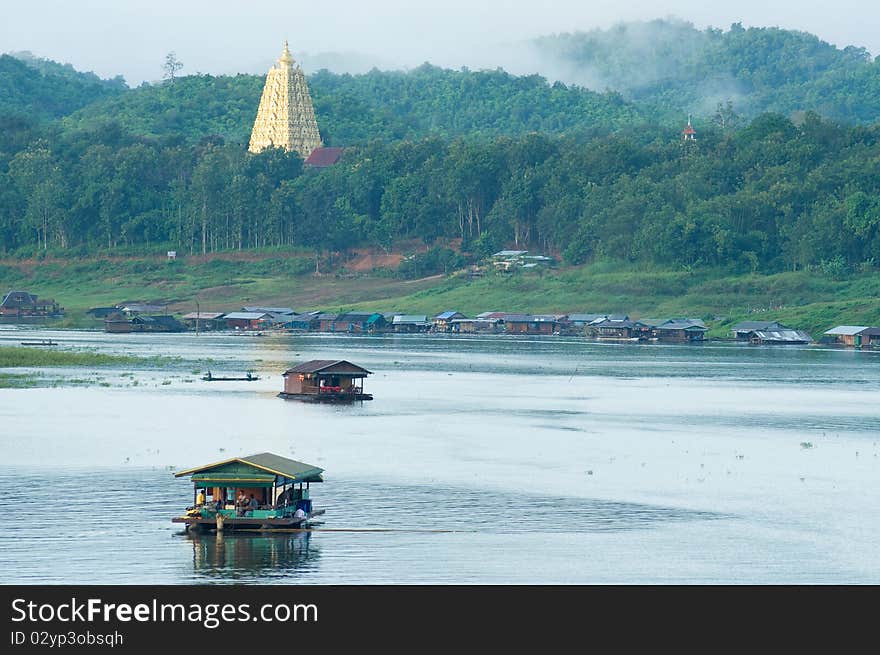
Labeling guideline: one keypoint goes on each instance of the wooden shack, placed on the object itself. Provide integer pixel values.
(683, 330)
(530, 324)
(325, 380)
(22, 304)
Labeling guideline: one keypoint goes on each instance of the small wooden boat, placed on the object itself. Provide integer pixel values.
(41, 342)
(209, 377)
(325, 381)
(259, 492)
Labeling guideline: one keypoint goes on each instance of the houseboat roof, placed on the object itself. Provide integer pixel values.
(264, 462)
(247, 316)
(681, 324)
(269, 310)
(369, 317)
(443, 316)
(783, 336)
(142, 308)
(205, 316)
(758, 325)
(410, 318)
(614, 323)
(340, 366)
(586, 318)
(847, 330)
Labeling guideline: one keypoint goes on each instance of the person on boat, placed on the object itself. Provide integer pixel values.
(299, 513)
(200, 498)
(253, 503)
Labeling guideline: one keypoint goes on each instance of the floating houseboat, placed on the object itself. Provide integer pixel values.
(327, 381)
(258, 492)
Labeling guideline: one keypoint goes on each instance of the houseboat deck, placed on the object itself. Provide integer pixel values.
(327, 397)
(208, 522)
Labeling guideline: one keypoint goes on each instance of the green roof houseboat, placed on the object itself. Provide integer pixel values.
(257, 492)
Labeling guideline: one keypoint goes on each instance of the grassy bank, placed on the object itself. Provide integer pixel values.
(226, 282)
(22, 356)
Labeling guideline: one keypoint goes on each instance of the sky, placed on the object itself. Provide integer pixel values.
(132, 37)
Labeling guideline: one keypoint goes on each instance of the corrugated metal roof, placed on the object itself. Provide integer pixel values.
(585, 318)
(410, 318)
(269, 310)
(847, 330)
(510, 253)
(318, 365)
(786, 336)
(446, 315)
(681, 324)
(759, 325)
(247, 316)
(288, 468)
(205, 316)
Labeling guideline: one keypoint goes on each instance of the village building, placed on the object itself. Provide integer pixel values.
(102, 312)
(506, 260)
(323, 157)
(577, 324)
(442, 322)
(679, 329)
(286, 117)
(854, 336)
(204, 321)
(477, 325)
(531, 324)
(777, 337)
(308, 322)
(743, 331)
(142, 323)
(247, 320)
(21, 304)
(410, 323)
(871, 337)
(354, 322)
(615, 328)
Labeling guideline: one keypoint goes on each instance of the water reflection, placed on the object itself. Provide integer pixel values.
(242, 557)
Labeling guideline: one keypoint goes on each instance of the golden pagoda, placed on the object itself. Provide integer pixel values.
(286, 118)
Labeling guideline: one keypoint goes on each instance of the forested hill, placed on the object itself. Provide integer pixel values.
(669, 67)
(43, 90)
(378, 105)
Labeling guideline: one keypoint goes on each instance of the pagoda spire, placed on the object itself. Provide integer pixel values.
(286, 117)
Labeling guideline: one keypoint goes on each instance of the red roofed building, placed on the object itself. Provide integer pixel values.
(323, 157)
(688, 133)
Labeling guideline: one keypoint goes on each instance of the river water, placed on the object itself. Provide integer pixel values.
(481, 460)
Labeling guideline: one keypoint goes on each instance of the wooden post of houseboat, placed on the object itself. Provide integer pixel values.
(219, 522)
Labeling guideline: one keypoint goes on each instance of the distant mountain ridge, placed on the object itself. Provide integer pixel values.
(670, 67)
(40, 89)
(633, 73)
